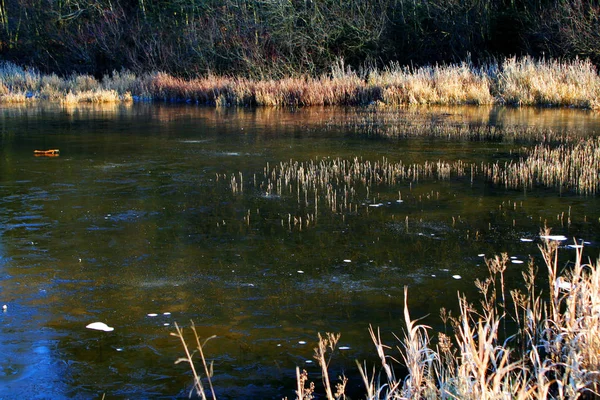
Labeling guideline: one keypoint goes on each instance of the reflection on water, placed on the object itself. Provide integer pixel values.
(136, 224)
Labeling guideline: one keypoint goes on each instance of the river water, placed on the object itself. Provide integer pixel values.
(154, 215)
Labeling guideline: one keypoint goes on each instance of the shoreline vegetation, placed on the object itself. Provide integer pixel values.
(515, 81)
(551, 350)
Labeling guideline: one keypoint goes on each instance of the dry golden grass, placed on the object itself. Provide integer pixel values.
(517, 81)
(525, 81)
(93, 96)
(454, 84)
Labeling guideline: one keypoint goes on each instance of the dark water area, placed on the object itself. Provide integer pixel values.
(137, 216)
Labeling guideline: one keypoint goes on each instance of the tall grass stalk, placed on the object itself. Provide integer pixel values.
(208, 370)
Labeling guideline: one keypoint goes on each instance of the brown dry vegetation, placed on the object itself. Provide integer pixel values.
(515, 81)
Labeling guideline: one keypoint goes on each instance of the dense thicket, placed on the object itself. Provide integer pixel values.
(283, 37)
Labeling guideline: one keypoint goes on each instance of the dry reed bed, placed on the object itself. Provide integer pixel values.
(518, 81)
(552, 354)
(344, 184)
(568, 166)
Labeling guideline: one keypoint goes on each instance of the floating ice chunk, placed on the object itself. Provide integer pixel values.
(344, 347)
(300, 271)
(167, 313)
(587, 242)
(100, 326)
(558, 238)
(4, 307)
(433, 275)
(166, 324)
(278, 344)
(309, 361)
(152, 315)
(517, 261)
(399, 201)
(457, 276)
(513, 257)
(376, 205)
(347, 261)
(119, 349)
(481, 255)
(576, 246)
(301, 342)
(526, 240)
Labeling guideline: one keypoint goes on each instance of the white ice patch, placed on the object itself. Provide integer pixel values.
(517, 261)
(100, 326)
(526, 240)
(457, 276)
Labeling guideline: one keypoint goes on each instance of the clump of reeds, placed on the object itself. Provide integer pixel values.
(448, 84)
(553, 353)
(525, 81)
(18, 84)
(342, 184)
(567, 167)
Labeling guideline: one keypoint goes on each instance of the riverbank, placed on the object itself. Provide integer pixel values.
(514, 81)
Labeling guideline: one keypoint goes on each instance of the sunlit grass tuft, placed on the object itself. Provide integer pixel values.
(525, 81)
